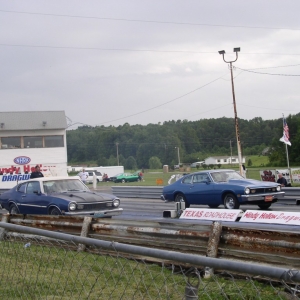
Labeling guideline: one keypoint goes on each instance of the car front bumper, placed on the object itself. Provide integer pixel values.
(261, 197)
(96, 214)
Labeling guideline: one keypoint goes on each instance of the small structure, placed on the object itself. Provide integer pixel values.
(223, 160)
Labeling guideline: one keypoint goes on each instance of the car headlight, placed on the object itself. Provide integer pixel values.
(72, 206)
(278, 188)
(116, 202)
(247, 191)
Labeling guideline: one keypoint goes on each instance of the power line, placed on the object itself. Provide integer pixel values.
(264, 73)
(184, 95)
(148, 21)
(135, 50)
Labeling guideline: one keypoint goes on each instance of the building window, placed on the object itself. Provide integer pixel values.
(33, 142)
(54, 141)
(10, 142)
(218, 160)
(225, 160)
(233, 159)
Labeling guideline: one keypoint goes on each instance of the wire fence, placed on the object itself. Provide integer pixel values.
(39, 264)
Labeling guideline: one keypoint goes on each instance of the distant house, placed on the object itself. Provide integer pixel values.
(197, 163)
(223, 160)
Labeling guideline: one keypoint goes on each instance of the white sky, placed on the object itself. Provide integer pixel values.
(76, 56)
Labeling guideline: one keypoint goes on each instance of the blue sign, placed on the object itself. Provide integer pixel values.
(22, 160)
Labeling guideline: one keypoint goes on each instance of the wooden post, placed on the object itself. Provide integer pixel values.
(84, 231)
(4, 219)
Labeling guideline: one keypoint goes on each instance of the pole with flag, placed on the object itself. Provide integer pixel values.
(286, 139)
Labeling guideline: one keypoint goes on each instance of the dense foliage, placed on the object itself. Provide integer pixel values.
(140, 146)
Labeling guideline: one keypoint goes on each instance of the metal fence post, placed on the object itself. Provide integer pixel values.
(213, 244)
(4, 219)
(84, 231)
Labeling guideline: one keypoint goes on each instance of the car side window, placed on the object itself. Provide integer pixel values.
(32, 187)
(201, 178)
(22, 187)
(188, 179)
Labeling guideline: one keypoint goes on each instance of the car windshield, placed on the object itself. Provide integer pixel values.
(224, 176)
(64, 185)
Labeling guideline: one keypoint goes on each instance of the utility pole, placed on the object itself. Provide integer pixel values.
(117, 144)
(222, 52)
(178, 155)
(230, 153)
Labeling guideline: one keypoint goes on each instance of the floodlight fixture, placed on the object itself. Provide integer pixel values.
(236, 49)
(222, 52)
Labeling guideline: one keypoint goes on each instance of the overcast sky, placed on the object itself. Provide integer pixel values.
(149, 61)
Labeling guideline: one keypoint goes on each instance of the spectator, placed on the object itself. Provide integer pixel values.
(37, 173)
(281, 180)
(141, 176)
(83, 176)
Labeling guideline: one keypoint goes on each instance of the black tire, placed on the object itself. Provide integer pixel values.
(264, 205)
(54, 211)
(13, 209)
(213, 205)
(181, 198)
(123, 180)
(231, 202)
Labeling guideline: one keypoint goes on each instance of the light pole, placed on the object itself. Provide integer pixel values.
(117, 144)
(178, 155)
(222, 52)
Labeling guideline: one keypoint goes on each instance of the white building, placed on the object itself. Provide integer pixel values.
(31, 138)
(223, 160)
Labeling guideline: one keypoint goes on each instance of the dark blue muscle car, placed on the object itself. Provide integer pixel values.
(221, 187)
(59, 196)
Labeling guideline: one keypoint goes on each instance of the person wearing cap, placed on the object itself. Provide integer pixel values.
(37, 173)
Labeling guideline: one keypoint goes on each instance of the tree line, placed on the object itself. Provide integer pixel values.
(154, 145)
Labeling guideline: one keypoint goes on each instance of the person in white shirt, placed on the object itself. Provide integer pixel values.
(83, 176)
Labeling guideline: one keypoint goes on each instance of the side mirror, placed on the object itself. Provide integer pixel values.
(37, 192)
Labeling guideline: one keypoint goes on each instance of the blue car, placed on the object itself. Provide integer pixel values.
(59, 196)
(221, 187)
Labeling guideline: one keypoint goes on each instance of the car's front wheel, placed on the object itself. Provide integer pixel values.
(13, 209)
(231, 202)
(181, 198)
(54, 211)
(264, 205)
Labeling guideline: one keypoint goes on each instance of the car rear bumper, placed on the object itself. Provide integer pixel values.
(258, 197)
(97, 214)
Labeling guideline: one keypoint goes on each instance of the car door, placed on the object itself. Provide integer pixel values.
(201, 190)
(32, 201)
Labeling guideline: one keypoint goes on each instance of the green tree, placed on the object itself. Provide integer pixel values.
(249, 163)
(155, 163)
(130, 163)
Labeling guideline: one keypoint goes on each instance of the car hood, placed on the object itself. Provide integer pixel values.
(253, 183)
(81, 196)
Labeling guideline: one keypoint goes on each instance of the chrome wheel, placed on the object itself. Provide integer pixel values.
(231, 202)
(13, 210)
(55, 211)
(181, 198)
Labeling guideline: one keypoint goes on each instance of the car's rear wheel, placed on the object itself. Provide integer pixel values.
(181, 198)
(54, 211)
(264, 205)
(231, 202)
(123, 180)
(13, 209)
(213, 205)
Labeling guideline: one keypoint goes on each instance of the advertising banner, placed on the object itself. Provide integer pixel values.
(272, 217)
(211, 214)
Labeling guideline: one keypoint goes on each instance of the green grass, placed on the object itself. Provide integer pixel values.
(48, 272)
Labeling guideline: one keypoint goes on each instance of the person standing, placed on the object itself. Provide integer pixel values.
(83, 176)
(281, 180)
(37, 173)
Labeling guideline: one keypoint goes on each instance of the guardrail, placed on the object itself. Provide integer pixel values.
(154, 192)
(278, 246)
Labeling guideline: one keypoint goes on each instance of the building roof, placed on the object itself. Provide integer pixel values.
(32, 120)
